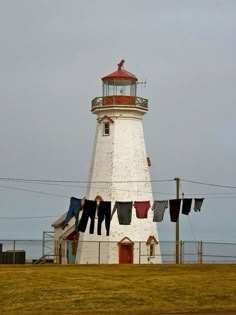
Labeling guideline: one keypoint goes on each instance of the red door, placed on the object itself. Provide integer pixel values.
(126, 254)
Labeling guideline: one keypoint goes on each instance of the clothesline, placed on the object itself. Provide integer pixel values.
(101, 208)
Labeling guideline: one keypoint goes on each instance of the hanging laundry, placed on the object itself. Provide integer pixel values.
(104, 212)
(75, 207)
(186, 206)
(142, 208)
(124, 211)
(198, 204)
(159, 207)
(174, 205)
(89, 211)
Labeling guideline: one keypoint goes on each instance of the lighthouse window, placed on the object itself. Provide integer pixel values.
(110, 89)
(152, 250)
(106, 129)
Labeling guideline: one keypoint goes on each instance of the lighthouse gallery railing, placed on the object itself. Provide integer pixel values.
(120, 100)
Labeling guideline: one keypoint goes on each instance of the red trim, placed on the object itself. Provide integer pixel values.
(125, 240)
(98, 198)
(71, 236)
(148, 161)
(106, 117)
(151, 238)
(120, 74)
(118, 100)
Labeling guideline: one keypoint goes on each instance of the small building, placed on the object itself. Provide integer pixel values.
(65, 241)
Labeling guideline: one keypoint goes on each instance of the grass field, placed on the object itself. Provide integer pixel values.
(117, 289)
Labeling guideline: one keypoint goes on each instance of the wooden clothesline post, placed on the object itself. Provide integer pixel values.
(177, 179)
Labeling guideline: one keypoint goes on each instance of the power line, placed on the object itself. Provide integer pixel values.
(208, 184)
(57, 182)
(81, 181)
(213, 193)
(65, 183)
(28, 218)
(63, 196)
(117, 189)
(77, 186)
(49, 182)
(221, 198)
(126, 190)
(34, 191)
(41, 183)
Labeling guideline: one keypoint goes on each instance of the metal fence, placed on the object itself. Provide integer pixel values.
(190, 251)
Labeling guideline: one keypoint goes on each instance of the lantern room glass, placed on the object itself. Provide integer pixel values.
(119, 87)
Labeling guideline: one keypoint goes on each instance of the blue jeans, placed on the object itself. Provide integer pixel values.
(75, 205)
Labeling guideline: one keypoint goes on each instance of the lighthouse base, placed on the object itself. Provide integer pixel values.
(124, 251)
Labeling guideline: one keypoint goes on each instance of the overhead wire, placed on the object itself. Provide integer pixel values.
(117, 189)
(64, 196)
(34, 191)
(82, 181)
(208, 184)
(65, 184)
(129, 190)
(28, 218)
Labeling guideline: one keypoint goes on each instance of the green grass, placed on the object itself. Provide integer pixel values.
(117, 289)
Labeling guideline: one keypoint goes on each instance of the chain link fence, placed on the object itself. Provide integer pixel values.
(46, 250)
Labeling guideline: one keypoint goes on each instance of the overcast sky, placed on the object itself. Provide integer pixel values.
(53, 54)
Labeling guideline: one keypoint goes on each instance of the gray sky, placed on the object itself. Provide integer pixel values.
(53, 55)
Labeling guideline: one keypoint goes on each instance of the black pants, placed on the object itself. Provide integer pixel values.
(104, 211)
(174, 207)
(186, 206)
(89, 211)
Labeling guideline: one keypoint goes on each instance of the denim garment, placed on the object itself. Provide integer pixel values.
(75, 205)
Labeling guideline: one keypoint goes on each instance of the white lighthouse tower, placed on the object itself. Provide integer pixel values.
(120, 172)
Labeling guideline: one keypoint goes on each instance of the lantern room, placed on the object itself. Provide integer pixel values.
(120, 82)
(120, 89)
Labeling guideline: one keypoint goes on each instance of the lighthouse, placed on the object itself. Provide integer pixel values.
(119, 172)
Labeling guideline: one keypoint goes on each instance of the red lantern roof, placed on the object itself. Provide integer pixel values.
(120, 74)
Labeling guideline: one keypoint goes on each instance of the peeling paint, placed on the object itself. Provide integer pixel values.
(120, 162)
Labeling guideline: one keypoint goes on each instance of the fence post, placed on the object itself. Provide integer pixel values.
(99, 252)
(181, 252)
(43, 249)
(139, 258)
(200, 252)
(14, 252)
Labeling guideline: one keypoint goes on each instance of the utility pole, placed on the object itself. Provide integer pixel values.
(177, 226)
